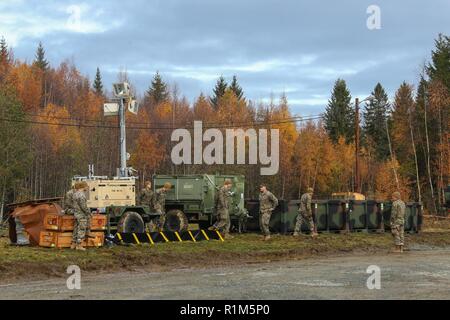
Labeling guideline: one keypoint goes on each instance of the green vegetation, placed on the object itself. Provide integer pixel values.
(339, 115)
(36, 263)
(98, 84)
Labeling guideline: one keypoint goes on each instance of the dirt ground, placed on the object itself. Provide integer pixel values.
(25, 264)
(421, 273)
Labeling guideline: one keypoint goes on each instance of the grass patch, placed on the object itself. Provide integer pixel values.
(24, 263)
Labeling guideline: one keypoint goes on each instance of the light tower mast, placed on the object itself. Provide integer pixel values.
(123, 97)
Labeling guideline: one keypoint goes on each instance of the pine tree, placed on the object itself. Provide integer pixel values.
(158, 91)
(5, 60)
(339, 115)
(219, 91)
(98, 84)
(4, 54)
(376, 114)
(402, 115)
(40, 60)
(403, 137)
(439, 68)
(236, 88)
(14, 144)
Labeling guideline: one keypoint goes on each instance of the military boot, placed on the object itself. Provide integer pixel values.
(296, 234)
(267, 238)
(212, 228)
(73, 245)
(314, 234)
(401, 249)
(228, 236)
(396, 249)
(80, 247)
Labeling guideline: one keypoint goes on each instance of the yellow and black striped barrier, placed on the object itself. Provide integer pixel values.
(167, 236)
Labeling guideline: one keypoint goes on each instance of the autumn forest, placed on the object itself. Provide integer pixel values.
(52, 127)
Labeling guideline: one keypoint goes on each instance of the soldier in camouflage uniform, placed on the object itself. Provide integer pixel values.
(221, 207)
(160, 204)
(68, 205)
(69, 208)
(82, 215)
(305, 214)
(398, 221)
(146, 196)
(267, 203)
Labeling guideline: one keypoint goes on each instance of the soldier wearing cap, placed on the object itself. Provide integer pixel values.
(160, 204)
(146, 196)
(305, 214)
(82, 215)
(221, 206)
(68, 205)
(398, 221)
(267, 203)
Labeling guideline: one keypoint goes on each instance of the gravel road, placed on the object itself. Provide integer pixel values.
(417, 274)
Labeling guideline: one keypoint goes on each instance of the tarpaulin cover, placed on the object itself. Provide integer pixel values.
(32, 217)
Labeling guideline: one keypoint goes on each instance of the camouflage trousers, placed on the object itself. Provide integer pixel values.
(264, 221)
(223, 222)
(161, 220)
(398, 232)
(82, 226)
(302, 217)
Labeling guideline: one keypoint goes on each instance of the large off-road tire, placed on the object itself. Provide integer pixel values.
(131, 222)
(176, 220)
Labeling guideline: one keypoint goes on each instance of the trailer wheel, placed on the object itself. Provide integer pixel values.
(131, 222)
(176, 220)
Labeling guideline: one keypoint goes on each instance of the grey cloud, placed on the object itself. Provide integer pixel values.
(186, 40)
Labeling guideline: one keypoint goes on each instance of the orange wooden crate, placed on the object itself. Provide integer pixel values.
(98, 222)
(55, 222)
(52, 239)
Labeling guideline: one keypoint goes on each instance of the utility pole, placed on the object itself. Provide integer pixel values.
(123, 141)
(123, 99)
(356, 184)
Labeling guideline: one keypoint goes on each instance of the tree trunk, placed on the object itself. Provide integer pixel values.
(392, 155)
(428, 156)
(415, 159)
(441, 164)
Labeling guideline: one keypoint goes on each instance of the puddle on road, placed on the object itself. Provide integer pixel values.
(320, 283)
(428, 284)
(264, 274)
(436, 274)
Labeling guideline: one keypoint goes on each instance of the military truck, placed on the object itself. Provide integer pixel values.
(191, 200)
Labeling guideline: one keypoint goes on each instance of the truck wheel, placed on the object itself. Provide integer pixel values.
(131, 222)
(176, 220)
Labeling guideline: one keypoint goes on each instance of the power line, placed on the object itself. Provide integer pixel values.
(147, 123)
(222, 126)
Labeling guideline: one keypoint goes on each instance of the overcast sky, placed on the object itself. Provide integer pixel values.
(296, 47)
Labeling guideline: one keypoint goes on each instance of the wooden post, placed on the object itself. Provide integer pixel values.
(356, 184)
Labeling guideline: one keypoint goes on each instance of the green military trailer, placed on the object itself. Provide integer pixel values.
(339, 215)
(191, 199)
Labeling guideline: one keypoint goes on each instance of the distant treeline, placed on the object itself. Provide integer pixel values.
(52, 127)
